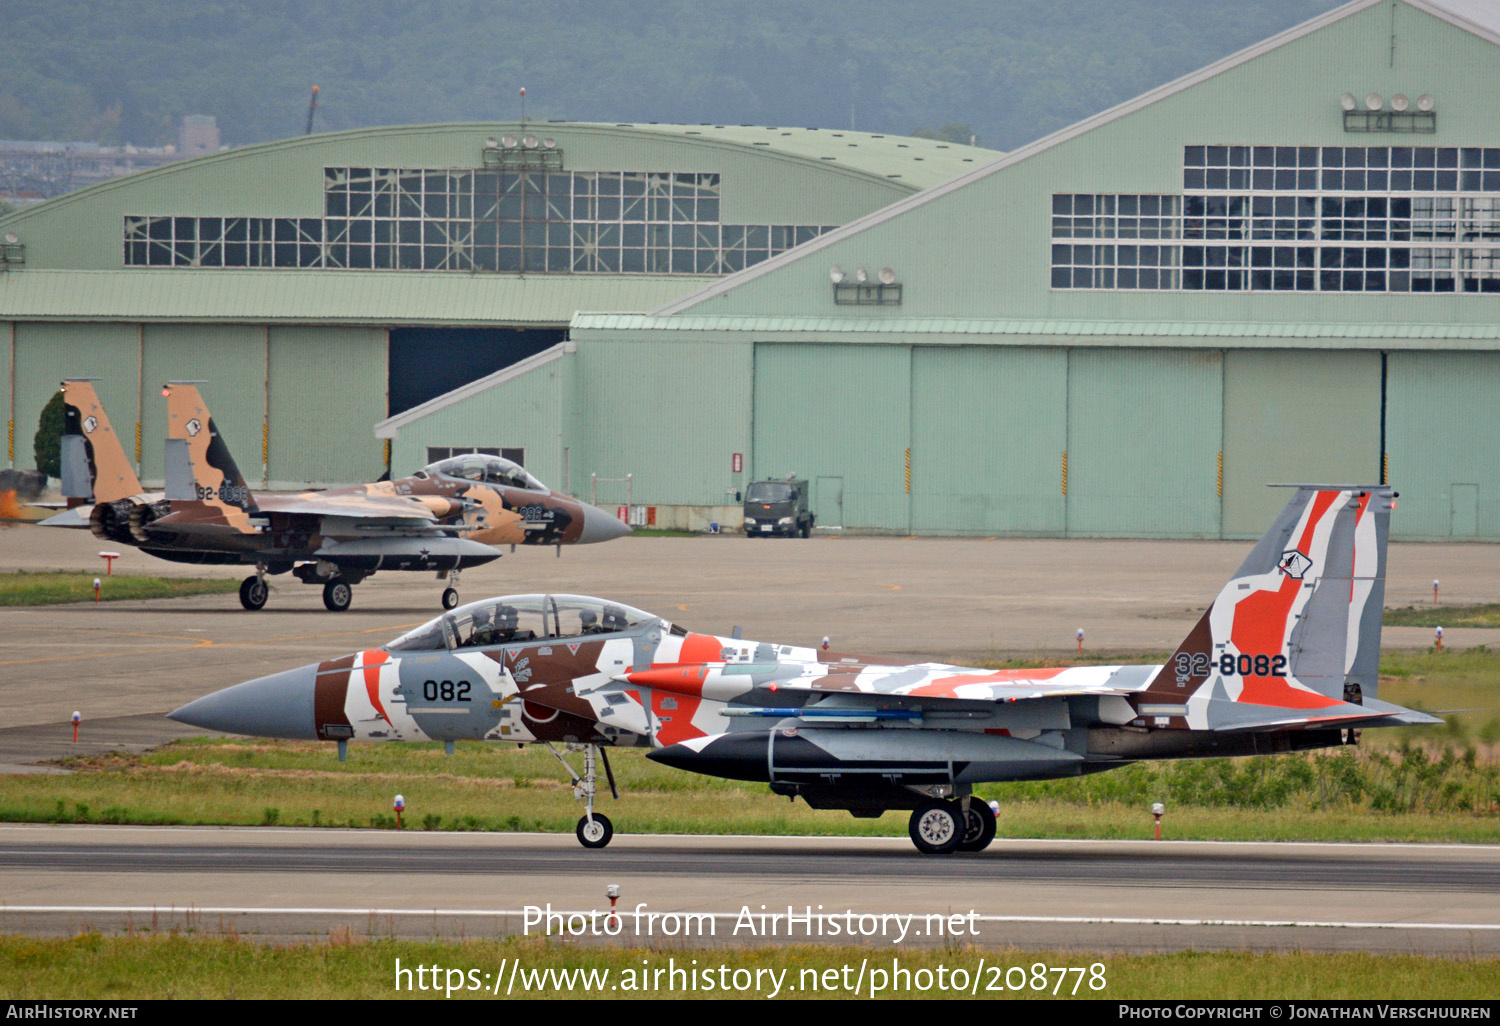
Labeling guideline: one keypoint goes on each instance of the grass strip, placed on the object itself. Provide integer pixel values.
(54, 587)
(344, 966)
(1444, 616)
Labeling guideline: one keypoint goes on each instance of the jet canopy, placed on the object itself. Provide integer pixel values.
(520, 619)
(495, 470)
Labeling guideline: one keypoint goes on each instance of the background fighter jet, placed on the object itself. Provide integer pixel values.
(1285, 659)
(445, 518)
(97, 480)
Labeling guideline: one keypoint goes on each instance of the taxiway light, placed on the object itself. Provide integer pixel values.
(825, 643)
(1080, 641)
(1438, 638)
(77, 719)
(1157, 809)
(612, 892)
(1434, 589)
(400, 804)
(97, 585)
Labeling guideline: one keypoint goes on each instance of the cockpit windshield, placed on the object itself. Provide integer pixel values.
(487, 469)
(769, 491)
(520, 619)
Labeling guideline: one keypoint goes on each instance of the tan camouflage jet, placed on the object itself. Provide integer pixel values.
(96, 473)
(1285, 659)
(445, 518)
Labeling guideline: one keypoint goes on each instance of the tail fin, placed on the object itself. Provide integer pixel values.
(1298, 625)
(94, 465)
(201, 473)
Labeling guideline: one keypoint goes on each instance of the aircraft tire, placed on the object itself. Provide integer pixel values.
(337, 595)
(936, 828)
(450, 598)
(253, 593)
(596, 834)
(979, 826)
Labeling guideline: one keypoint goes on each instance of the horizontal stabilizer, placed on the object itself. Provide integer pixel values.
(1240, 716)
(78, 516)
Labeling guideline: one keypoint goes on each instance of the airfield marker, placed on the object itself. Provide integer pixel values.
(825, 643)
(612, 892)
(1157, 808)
(400, 804)
(97, 586)
(1438, 636)
(1434, 589)
(1080, 641)
(77, 719)
(109, 562)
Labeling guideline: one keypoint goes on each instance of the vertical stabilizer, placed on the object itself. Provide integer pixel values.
(201, 473)
(94, 465)
(1298, 625)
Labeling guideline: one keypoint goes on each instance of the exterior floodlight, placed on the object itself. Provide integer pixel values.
(490, 143)
(1348, 102)
(1425, 101)
(528, 141)
(1374, 101)
(887, 276)
(508, 141)
(11, 238)
(861, 275)
(836, 273)
(1400, 102)
(549, 143)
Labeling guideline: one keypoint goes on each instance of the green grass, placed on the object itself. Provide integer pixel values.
(1436, 615)
(44, 589)
(91, 967)
(662, 532)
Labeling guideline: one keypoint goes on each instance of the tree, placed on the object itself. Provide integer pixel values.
(48, 442)
(953, 132)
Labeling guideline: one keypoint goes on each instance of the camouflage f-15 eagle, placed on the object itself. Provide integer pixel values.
(446, 517)
(1285, 659)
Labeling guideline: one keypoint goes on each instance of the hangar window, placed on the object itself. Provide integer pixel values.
(498, 219)
(1327, 218)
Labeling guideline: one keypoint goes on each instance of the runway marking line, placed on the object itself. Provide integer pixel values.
(733, 916)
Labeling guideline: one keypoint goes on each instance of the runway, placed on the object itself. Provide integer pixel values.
(1096, 895)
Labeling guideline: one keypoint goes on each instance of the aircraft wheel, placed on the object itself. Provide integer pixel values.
(595, 834)
(936, 828)
(979, 826)
(253, 593)
(450, 598)
(337, 595)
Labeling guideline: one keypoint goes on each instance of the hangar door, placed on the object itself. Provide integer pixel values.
(838, 416)
(1293, 416)
(1442, 415)
(1143, 442)
(428, 362)
(989, 426)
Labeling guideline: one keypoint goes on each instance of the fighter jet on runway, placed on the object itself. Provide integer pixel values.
(1285, 659)
(445, 518)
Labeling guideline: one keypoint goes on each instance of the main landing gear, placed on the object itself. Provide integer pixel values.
(594, 829)
(337, 594)
(943, 827)
(254, 592)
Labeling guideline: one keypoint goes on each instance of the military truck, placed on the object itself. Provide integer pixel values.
(778, 508)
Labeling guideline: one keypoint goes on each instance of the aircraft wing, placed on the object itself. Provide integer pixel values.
(397, 508)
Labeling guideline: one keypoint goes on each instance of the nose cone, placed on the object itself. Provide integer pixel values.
(599, 526)
(280, 705)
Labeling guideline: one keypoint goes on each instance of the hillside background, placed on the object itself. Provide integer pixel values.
(116, 72)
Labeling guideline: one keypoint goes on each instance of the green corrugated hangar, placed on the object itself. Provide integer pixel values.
(1283, 267)
(320, 285)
